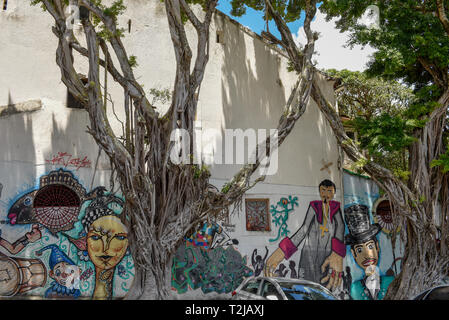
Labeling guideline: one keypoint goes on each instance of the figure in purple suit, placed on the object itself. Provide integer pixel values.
(322, 232)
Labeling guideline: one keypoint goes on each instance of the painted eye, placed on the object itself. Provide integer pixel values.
(95, 237)
(57, 273)
(120, 237)
(28, 201)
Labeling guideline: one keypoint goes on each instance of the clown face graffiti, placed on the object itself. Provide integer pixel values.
(107, 242)
(65, 274)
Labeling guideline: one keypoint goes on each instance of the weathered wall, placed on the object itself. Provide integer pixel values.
(245, 86)
(286, 211)
(35, 146)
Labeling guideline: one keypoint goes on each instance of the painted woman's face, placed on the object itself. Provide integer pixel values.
(107, 242)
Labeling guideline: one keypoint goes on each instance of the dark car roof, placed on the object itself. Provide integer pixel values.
(438, 293)
(435, 293)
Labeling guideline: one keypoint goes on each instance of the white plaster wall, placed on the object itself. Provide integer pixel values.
(250, 240)
(246, 83)
(27, 50)
(27, 140)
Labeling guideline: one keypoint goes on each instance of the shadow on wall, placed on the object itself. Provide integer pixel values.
(17, 149)
(79, 147)
(250, 81)
(253, 96)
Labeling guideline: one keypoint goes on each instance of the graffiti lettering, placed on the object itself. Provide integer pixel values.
(218, 270)
(65, 159)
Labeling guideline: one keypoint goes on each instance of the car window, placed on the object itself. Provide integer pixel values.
(268, 289)
(295, 291)
(252, 286)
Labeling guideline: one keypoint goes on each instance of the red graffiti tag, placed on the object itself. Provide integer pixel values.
(65, 159)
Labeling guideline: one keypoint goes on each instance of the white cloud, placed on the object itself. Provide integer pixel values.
(331, 53)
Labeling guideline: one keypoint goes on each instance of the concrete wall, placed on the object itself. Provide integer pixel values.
(246, 85)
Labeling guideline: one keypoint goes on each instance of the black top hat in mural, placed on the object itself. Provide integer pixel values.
(359, 225)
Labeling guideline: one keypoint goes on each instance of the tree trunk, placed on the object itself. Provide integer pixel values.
(425, 260)
(151, 286)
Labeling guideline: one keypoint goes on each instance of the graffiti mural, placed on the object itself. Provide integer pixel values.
(103, 240)
(64, 272)
(77, 244)
(54, 205)
(20, 244)
(257, 218)
(365, 250)
(211, 236)
(280, 214)
(219, 270)
(258, 262)
(20, 275)
(322, 233)
(208, 260)
(362, 194)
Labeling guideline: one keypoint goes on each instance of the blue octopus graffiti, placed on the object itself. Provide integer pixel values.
(68, 248)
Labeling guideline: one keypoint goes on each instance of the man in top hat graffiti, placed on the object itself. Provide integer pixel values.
(365, 250)
(323, 234)
(64, 272)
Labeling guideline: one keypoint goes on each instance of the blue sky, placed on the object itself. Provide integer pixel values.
(331, 52)
(254, 19)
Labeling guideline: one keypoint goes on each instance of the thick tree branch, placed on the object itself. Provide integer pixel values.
(293, 110)
(398, 191)
(441, 13)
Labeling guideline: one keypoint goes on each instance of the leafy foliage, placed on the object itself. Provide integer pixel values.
(290, 10)
(366, 96)
(409, 35)
(377, 110)
(442, 162)
(411, 46)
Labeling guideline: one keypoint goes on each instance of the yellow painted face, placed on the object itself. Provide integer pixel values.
(107, 242)
(327, 193)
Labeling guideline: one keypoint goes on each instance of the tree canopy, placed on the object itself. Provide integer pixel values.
(377, 110)
(412, 46)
